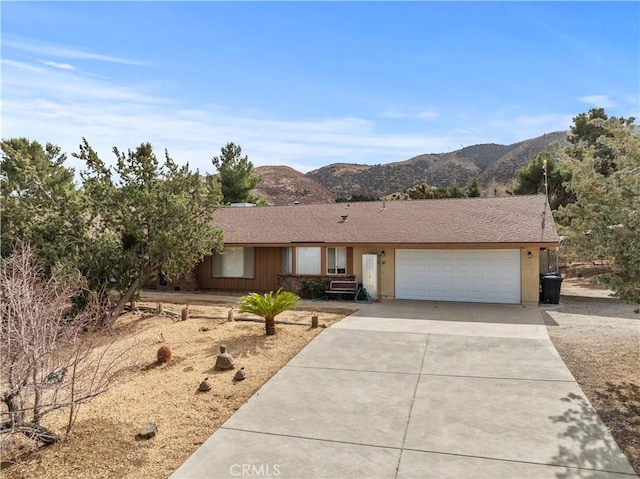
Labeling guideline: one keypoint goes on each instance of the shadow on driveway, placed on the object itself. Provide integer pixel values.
(592, 450)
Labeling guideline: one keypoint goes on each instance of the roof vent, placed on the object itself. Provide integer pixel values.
(344, 218)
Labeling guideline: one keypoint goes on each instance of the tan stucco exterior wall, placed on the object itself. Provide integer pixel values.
(357, 261)
(529, 275)
(388, 277)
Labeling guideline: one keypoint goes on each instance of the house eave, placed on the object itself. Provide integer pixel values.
(405, 245)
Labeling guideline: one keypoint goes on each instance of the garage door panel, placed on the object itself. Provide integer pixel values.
(488, 276)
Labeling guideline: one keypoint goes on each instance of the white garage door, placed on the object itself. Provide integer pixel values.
(478, 276)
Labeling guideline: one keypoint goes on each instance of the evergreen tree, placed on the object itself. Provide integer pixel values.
(530, 179)
(604, 221)
(40, 203)
(588, 131)
(148, 217)
(473, 188)
(454, 190)
(236, 175)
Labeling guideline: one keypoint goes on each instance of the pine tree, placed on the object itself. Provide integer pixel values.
(236, 175)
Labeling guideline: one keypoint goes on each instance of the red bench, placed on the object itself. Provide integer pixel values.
(343, 287)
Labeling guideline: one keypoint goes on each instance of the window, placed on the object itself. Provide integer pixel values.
(336, 260)
(307, 260)
(233, 262)
(286, 261)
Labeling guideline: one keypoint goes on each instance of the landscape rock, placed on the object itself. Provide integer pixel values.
(147, 432)
(204, 385)
(240, 375)
(224, 360)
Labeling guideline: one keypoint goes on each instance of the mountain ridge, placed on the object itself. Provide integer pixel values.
(494, 166)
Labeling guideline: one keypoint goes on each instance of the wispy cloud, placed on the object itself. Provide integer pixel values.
(61, 106)
(421, 115)
(67, 85)
(558, 122)
(69, 105)
(61, 51)
(61, 66)
(598, 101)
(21, 66)
(522, 127)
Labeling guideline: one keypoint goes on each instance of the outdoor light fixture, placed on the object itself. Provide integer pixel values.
(529, 255)
(382, 254)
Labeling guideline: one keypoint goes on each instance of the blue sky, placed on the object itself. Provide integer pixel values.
(306, 84)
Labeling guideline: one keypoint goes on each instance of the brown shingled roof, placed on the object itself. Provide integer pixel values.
(513, 219)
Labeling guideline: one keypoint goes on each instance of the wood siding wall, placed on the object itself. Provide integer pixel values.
(268, 263)
(267, 267)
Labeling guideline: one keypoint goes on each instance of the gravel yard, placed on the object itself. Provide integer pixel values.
(103, 442)
(598, 338)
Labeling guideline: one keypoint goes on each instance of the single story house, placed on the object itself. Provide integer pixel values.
(466, 250)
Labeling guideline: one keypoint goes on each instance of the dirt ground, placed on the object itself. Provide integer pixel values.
(103, 443)
(598, 338)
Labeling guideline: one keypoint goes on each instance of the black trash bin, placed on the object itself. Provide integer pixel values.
(550, 291)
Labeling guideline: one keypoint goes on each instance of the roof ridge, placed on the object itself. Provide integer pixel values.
(408, 201)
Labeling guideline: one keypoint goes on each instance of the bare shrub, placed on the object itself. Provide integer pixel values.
(52, 357)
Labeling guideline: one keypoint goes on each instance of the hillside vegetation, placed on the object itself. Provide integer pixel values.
(282, 185)
(494, 166)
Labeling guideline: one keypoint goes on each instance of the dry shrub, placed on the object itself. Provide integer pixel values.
(52, 358)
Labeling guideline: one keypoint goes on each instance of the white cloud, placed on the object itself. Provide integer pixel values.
(61, 66)
(540, 122)
(427, 114)
(67, 85)
(66, 106)
(598, 101)
(22, 66)
(60, 51)
(508, 130)
(62, 106)
(400, 114)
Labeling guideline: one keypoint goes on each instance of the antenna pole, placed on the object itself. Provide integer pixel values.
(544, 167)
(546, 183)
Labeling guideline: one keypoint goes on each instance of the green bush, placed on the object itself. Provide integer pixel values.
(314, 288)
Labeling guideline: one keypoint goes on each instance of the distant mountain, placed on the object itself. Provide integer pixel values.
(282, 185)
(493, 165)
(503, 170)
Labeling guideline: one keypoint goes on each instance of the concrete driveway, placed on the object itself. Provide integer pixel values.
(414, 389)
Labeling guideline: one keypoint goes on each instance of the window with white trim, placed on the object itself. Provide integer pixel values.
(336, 260)
(233, 262)
(308, 260)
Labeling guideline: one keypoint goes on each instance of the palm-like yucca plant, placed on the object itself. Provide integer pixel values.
(268, 305)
